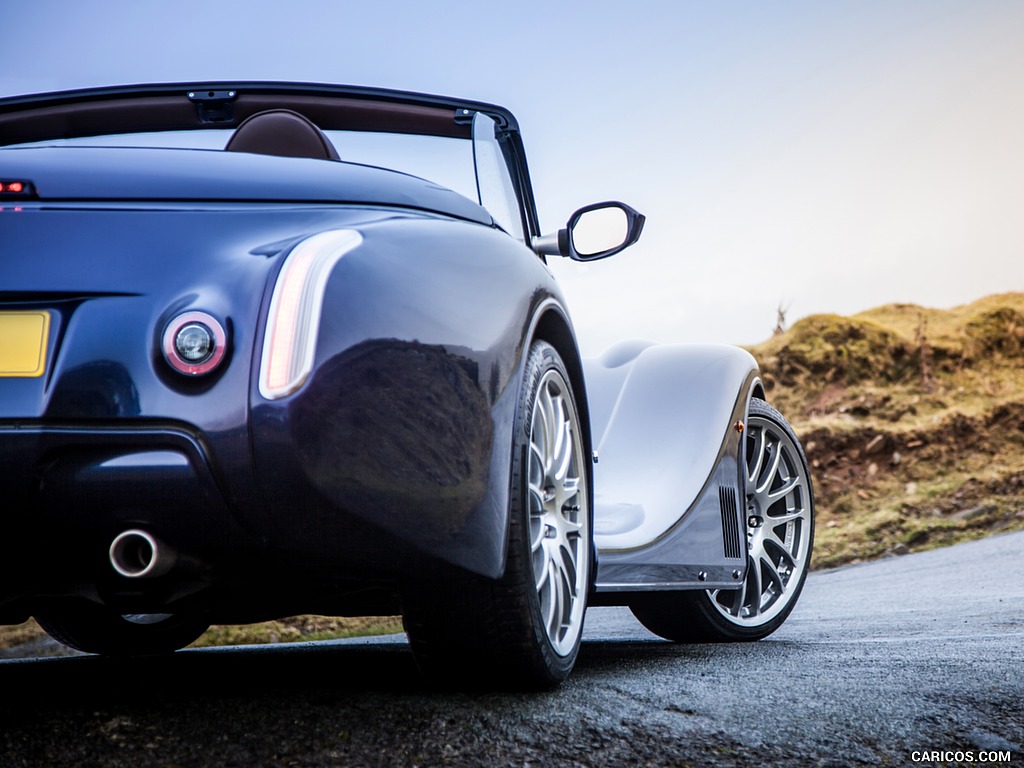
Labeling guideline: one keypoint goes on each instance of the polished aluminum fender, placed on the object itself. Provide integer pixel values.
(667, 422)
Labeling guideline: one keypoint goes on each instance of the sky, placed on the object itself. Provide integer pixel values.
(804, 155)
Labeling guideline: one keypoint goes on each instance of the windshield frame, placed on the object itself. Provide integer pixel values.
(160, 108)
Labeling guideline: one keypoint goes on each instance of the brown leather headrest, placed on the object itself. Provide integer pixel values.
(281, 132)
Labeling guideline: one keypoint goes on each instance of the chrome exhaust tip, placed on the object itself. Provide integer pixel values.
(136, 554)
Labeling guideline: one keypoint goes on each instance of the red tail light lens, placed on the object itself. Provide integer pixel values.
(16, 189)
(194, 343)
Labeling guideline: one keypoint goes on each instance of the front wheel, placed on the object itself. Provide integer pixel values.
(780, 534)
(522, 630)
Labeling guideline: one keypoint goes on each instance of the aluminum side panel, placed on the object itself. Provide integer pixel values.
(664, 420)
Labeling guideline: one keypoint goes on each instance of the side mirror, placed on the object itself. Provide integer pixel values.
(594, 232)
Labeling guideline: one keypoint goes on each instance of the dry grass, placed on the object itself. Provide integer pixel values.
(299, 629)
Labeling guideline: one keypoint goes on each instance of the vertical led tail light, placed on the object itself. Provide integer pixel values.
(289, 344)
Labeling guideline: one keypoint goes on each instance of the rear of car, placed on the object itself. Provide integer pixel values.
(244, 385)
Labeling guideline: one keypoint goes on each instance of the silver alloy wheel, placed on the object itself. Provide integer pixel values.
(559, 525)
(779, 526)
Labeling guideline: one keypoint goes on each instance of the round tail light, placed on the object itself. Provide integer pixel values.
(194, 343)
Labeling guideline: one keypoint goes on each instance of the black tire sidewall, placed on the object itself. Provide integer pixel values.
(542, 358)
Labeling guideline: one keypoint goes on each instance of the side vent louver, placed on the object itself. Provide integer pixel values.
(730, 523)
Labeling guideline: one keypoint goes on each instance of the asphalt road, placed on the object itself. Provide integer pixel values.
(921, 653)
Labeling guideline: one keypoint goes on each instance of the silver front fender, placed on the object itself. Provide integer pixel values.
(668, 509)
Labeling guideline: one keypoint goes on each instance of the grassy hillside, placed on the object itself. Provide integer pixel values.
(912, 419)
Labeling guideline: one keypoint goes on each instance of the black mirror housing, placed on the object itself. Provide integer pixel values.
(601, 230)
(594, 232)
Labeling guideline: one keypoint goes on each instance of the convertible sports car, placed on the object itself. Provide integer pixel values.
(270, 349)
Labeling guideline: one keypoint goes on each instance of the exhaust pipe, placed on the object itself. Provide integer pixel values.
(136, 554)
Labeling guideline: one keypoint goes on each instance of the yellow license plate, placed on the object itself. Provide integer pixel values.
(23, 337)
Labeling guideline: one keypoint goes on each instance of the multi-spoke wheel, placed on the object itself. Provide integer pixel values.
(522, 629)
(559, 526)
(780, 533)
(94, 628)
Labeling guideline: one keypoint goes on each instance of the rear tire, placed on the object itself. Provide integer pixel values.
(780, 536)
(522, 630)
(94, 628)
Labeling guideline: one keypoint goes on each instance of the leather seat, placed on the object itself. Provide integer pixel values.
(281, 132)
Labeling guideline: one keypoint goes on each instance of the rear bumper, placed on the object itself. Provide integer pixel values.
(75, 475)
(70, 490)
